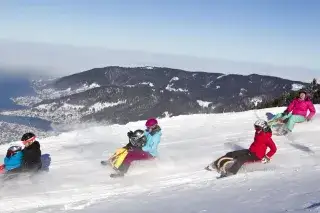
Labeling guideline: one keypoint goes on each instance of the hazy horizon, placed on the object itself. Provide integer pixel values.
(241, 37)
(60, 60)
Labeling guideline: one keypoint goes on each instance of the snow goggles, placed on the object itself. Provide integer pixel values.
(29, 141)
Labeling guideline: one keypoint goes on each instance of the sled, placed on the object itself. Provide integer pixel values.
(116, 159)
(225, 163)
(45, 160)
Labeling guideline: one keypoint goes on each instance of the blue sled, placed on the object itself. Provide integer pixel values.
(46, 162)
(270, 116)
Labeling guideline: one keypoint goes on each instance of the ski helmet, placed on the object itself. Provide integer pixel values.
(151, 122)
(261, 124)
(13, 150)
(28, 138)
(138, 139)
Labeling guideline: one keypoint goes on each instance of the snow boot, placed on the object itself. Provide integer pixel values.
(120, 171)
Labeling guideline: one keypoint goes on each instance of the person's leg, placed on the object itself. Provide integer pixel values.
(220, 161)
(293, 120)
(134, 155)
(274, 122)
(246, 157)
(237, 153)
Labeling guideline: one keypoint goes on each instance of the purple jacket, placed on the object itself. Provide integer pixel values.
(301, 107)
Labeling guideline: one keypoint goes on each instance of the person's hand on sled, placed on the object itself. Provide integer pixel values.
(285, 113)
(265, 160)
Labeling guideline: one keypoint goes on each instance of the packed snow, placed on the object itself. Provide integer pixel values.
(176, 181)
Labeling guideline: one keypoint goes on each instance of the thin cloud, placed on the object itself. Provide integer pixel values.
(59, 60)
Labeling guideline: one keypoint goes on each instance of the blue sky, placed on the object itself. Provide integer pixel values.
(279, 32)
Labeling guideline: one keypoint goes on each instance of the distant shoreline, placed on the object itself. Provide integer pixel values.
(38, 123)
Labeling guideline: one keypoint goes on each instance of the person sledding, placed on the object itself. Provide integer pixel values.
(31, 160)
(296, 112)
(24, 157)
(257, 151)
(143, 145)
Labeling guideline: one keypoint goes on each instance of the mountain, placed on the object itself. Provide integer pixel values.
(175, 182)
(122, 94)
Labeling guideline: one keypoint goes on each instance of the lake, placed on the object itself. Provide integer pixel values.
(38, 123)
(13, 86)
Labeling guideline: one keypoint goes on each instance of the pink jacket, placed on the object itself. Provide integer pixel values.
(301, 107)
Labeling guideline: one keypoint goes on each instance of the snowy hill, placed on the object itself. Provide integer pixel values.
(177, 181)
(122, 94)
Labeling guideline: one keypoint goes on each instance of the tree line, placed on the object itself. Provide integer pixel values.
(313, 90)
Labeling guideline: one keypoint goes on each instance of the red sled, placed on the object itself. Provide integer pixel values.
(2, 169)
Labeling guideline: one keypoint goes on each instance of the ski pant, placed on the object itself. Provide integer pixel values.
(241, 157)
(134, 155)
(290, 120)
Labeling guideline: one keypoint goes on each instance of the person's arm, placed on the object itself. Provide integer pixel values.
(311, 109)
(291, 106)
(272, 146)
(152, 145)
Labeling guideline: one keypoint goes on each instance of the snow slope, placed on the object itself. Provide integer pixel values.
(176, 182)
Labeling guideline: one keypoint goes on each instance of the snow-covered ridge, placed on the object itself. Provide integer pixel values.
(221, 76)
(176, 179)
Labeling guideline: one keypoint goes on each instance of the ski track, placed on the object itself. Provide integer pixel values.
(77, 181)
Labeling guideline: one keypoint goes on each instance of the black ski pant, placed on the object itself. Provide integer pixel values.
(241, 157)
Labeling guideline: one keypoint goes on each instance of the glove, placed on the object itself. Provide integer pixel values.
(285, 113)
(130, 134)
(265, 160)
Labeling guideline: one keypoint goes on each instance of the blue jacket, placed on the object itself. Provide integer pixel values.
(13, 162)
(152, 143)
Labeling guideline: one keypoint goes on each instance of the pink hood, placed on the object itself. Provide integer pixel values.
(301, 107)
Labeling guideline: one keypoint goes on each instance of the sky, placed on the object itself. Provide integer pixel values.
(277, 32)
